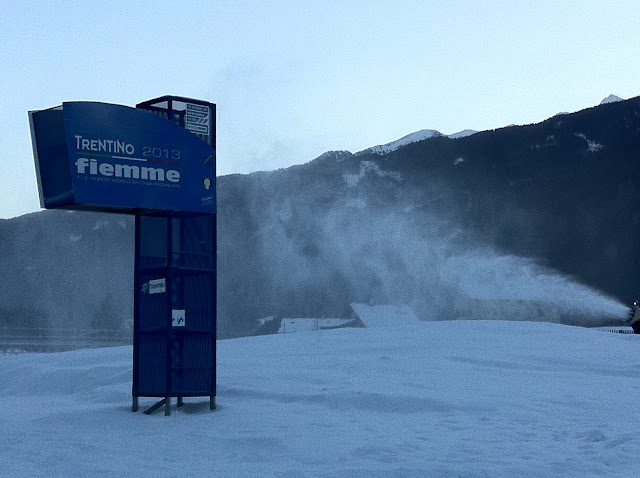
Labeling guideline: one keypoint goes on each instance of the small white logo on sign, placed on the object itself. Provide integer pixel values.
(178, 318)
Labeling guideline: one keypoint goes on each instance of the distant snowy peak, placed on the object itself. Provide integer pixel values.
(408, 139)
(611, 99)
(414, 138)
(462, 134)
(608, 99)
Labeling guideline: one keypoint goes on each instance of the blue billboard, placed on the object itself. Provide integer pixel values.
(156, 161)
(106, 157)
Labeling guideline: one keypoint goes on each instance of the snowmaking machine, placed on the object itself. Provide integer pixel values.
(633, 319)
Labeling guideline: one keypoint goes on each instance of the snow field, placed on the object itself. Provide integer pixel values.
(433, 399)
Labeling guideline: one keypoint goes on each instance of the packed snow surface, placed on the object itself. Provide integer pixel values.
(384, 315)
(430, 399)
(305, 324)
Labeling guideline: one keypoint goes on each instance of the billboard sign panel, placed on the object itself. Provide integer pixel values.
(106, 157)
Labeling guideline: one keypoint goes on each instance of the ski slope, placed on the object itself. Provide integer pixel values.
(431, 399)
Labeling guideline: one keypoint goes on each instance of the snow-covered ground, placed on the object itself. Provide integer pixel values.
(431, 399)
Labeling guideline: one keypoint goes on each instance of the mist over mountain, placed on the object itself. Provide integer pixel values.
(66, 274)
(529, 214)
(500, 222)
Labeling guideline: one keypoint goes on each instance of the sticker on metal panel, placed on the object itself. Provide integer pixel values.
(197, 119)
(157, 286)
(178, 318)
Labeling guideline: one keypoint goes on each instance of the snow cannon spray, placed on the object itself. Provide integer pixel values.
(633, 319)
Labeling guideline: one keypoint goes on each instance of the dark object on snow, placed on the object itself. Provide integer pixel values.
(634, 317)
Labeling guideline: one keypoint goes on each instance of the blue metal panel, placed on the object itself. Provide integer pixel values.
(192, 372)
(152, 242)
(150, 370)
(51, 158)
(175, 273)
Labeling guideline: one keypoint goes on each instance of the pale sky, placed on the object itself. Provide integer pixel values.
(293, 79)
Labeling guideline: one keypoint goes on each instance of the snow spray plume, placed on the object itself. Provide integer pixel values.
(519, 285)
(319, 261)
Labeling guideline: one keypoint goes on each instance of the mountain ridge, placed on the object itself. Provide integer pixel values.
(306, 241)
(424, 134)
